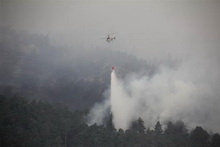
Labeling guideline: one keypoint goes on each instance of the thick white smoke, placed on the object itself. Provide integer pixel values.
(188, 93)
(98, 113)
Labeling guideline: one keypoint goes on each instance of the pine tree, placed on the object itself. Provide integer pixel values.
(199, 137)
(216, 140)
(138, 126)
(158, 128)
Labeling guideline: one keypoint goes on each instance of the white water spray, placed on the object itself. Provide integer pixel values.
(118, 100)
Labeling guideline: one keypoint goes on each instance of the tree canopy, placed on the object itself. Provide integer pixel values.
(34, 123)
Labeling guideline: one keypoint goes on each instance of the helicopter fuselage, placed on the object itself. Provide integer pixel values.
(109, 39)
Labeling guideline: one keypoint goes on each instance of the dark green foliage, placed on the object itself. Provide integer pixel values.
(24, 123)
(158, 135)
(93, 136)
(39, 124)
(199, 137)
(216, 140)
(120, 138)
(109, 124)
(138, 126)
(158, 128)
(176, 134)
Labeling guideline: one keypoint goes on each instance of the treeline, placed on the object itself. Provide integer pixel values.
(35, 123)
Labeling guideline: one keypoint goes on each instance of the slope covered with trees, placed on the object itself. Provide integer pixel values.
(32, 67)
(35, 123)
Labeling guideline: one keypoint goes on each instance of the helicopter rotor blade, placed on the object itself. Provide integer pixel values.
(103, 37)
(113, 34)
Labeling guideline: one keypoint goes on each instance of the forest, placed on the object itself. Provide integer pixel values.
(47, 91)
(26, 122)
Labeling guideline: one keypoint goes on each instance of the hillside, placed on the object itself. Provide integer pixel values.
(75, 76)
(35, 123)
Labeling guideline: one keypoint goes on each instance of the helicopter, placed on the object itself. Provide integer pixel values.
(110, 37)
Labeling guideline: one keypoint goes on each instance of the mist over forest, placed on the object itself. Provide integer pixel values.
(79, 80)
(33, 67)
(155, 84)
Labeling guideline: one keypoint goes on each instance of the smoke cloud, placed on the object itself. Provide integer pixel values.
(99, 112)
(188, 93)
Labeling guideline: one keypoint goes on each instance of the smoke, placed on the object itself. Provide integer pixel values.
(99, 112)
(189, 93)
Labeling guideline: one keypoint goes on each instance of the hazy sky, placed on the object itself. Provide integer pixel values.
(144, 28)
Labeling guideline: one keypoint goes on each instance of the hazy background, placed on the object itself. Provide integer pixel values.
(187, 31)
(147, 29)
